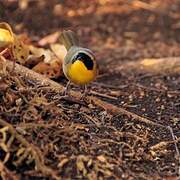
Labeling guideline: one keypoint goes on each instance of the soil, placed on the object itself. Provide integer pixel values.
(82, 140)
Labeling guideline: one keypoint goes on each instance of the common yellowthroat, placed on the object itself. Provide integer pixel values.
(79, 65)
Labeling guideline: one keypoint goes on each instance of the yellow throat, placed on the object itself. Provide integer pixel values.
(79, 74)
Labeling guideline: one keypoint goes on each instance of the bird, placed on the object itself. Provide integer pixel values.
(79, 65)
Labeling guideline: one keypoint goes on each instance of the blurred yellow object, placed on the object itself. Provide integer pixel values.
(8, 39)
(6, 35)
(149, 62)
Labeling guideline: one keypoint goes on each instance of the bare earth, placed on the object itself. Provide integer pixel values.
(53, 138)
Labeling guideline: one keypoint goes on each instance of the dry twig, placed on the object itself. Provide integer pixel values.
(155, 66)
(117, 110)
(43, 81)
(175, 140)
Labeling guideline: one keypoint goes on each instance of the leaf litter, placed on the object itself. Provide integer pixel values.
(45, 136)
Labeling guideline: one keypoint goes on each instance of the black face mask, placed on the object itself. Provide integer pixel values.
(88, 62)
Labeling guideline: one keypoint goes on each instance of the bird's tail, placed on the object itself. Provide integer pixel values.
(68, 39)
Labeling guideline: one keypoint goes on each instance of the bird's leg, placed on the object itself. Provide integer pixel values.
(85, 92)
(66, 91)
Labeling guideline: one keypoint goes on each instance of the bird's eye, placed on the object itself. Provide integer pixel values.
(86, 59)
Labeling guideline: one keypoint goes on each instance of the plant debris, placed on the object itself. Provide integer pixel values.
(127, 127)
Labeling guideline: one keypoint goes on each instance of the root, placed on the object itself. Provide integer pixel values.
(43, 81)
(5, 173)
(117, 110)
(29, 148)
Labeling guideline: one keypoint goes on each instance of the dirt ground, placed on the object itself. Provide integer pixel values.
(54, 138)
